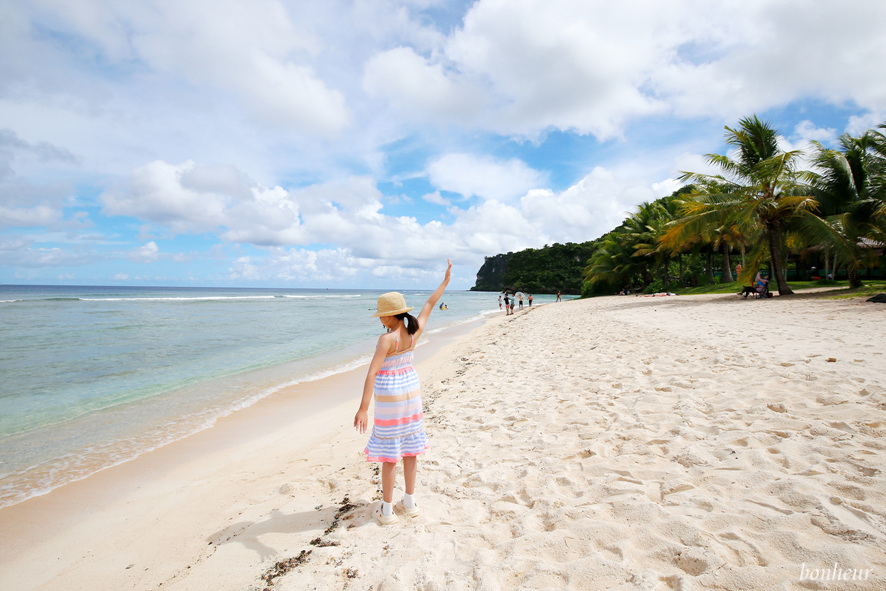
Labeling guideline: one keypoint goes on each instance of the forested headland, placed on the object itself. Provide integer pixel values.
(558, 267)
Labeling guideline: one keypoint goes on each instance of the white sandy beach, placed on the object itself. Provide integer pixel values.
(702, 442)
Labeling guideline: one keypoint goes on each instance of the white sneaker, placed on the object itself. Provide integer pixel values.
(411, 511)
(383, 519)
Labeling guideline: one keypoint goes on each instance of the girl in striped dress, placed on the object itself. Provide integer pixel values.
(397, 431)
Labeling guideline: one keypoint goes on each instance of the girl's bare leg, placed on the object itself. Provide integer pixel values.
(388, 473)
(409, 469)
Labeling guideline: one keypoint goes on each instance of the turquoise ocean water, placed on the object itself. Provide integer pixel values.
(95, 376)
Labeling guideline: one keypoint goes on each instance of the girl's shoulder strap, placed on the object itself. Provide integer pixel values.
(397, 344)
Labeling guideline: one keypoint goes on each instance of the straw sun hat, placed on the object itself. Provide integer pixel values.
(391, 304)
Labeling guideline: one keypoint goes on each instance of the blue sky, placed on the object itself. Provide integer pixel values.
(360, 144)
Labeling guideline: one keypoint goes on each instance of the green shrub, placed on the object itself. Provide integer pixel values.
(654, 287)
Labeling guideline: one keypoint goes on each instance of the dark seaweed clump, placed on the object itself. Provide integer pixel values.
(282, 567)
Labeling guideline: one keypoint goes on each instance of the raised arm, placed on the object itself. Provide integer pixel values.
(434, 297)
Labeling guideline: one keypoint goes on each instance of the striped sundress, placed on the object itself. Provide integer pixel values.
(398, 429)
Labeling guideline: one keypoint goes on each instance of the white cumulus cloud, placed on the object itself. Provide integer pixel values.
(484, 176)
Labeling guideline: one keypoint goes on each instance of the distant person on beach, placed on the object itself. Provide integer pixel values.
(499, 302)
(513, 303)
(558, 295)
(759, 288)
(521, 301)
(530, 300)
(761, 280)
(398, 431)
(507, 305)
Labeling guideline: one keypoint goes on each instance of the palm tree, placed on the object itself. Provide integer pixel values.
(759, 188)
(850, 188)
(877, 173)
(613, 262)
(673, 205)
(621, 257)
(647, 225)
(725, 237)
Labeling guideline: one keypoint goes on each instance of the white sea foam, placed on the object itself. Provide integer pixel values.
(179, 299)
(323, 297)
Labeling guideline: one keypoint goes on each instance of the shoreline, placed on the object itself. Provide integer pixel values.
(251, 387)
(614, 443)
(321, 410)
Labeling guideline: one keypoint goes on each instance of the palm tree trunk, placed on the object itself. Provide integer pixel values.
(854, 279)
(827, 265)
(785, 262)
(772, 234)
(680, 261)
(710, 261)
(727, 266)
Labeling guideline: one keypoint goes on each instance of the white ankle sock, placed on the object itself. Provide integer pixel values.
(387, 508)
(408, 501)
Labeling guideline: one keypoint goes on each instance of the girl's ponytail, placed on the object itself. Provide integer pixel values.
(410, 320)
